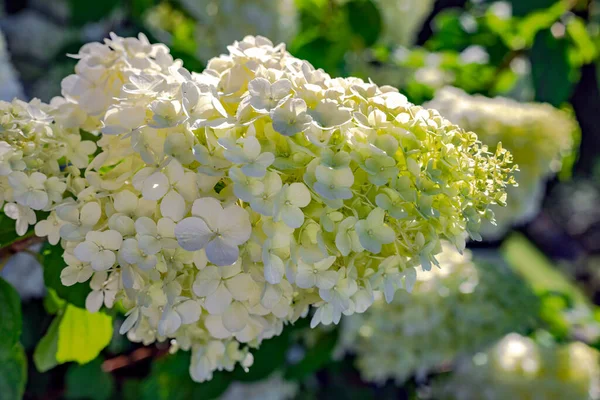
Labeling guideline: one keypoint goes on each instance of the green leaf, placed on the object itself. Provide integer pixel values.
(529, 262)
(11, 320)
(13, 373)
(89, 381)
(53, 265)
(82, 335)
(521, 8)
(44, 355)
(364, 20)
(84, 11)
(74, 335)
(550, 69)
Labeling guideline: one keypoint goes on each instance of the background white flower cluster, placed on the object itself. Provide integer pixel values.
(519, 367)
(452, 311)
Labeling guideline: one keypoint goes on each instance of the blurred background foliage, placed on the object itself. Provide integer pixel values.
(527, 50)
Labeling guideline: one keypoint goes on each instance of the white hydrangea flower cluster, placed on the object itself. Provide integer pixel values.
(224, 204)
(538, 136)
(39, 160)
(218, 23)
(518, 367)
(452, 311)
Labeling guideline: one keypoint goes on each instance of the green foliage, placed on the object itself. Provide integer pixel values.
(74, 335)
(44, 356)
(13, 373)
(364, 20)
(10, 315)
(525, 7)
(89, 381)
(13, 363)
(84, 11)
(550, 69)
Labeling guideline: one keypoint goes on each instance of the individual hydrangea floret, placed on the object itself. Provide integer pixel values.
(215, 219)
(537, 135)
(518, 367)
(452, 311)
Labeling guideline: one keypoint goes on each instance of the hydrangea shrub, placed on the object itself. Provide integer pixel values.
(452, 311)
(219, 206)
(518, 367)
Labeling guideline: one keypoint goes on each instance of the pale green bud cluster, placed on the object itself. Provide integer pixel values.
(537, 135)
(452, 311)
(518, 367)
(224, 204)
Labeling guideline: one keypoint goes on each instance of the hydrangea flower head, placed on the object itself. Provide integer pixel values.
(222, 205)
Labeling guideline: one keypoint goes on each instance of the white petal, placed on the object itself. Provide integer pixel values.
(219, 301)
(90, 214)
(129, 321)
(103, 260)
(221, 252)
(215, 327)
(241, 286)
(145, 226)
(271, 296)
(274, 269)
(173, 206)
(169, 322)
(155, 186)
(85, 251)
(298, 194)
(112, 240)
(234, 319)
(305, 279)
(208, 209)
(326, 279)
(234, 225)
(94, 301)
(193, 234)
(189, 311)
(207, 281)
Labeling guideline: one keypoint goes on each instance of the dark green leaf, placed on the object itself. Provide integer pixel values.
(521, 8)
(53, 265)
(13, 373)
(364, 19)
(89, 381)
(84, 11)
(44, 356)
(11, 320)
(550, 69)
